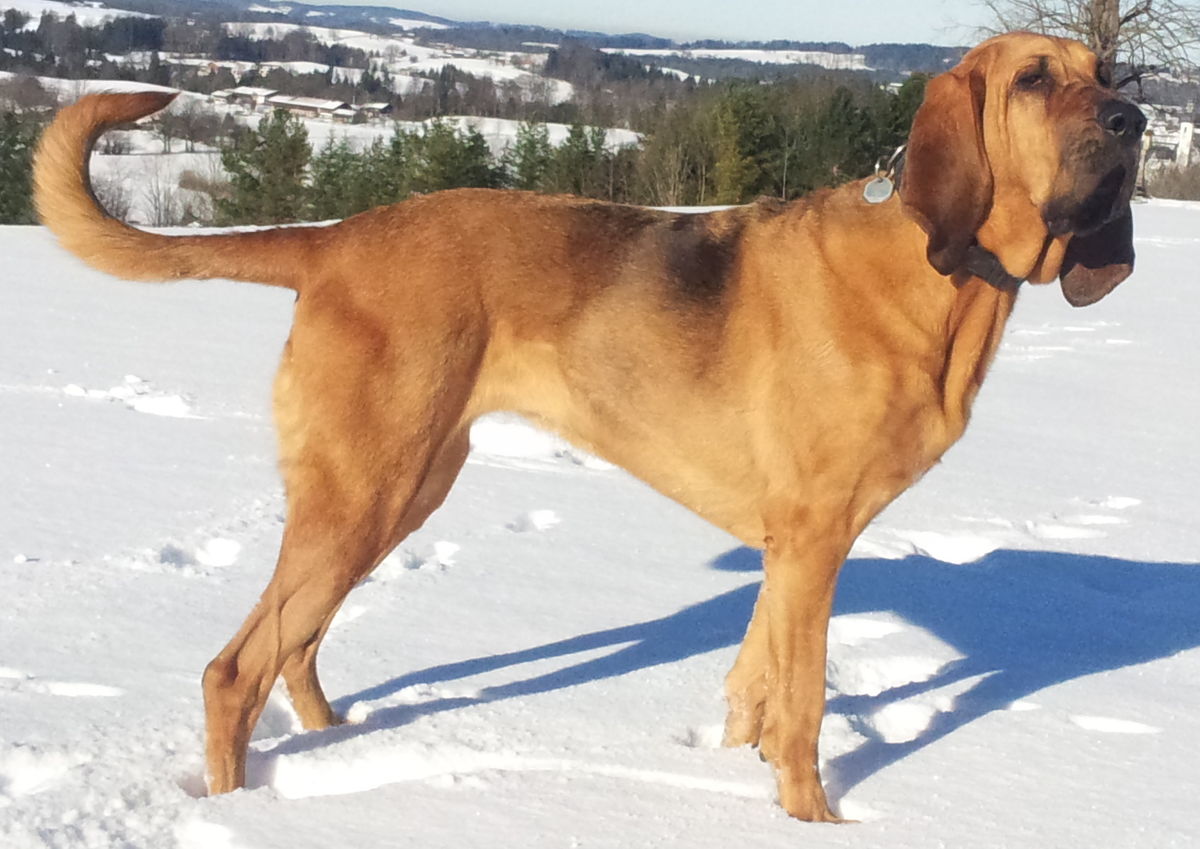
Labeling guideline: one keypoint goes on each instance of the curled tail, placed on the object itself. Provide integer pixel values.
(64, 199)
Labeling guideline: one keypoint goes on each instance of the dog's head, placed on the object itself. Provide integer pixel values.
(1024, 148)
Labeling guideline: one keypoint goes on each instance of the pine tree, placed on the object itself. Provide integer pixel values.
(748, 139)
(393, 166)
(849, 143)
(529, 157)
(267, 173)
(17, 140)
(339, 183)
(580, 164)
(448, 158)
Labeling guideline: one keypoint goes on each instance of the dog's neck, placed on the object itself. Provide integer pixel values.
(963, 315)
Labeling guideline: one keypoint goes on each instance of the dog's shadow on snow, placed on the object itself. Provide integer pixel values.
(1022, 621)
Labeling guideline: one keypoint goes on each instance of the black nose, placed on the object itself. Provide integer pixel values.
(1122, 119)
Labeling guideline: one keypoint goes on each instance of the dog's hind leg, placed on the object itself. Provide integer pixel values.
(335, 534)
(300, 668)
(371, 436)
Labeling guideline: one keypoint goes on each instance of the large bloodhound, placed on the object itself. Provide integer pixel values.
(783, 369)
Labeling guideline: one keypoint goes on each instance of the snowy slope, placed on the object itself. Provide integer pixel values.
(404, 57)
(92, 14)
(1015, 660)
(825, 59)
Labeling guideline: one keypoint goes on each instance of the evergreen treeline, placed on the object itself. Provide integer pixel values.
(727, 145)
(18, 139)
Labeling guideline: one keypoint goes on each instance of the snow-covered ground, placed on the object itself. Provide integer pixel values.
(825, 59)
(403, 57)
(1015, 659)
(91, 14)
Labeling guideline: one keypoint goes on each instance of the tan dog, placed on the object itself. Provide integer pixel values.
(785, 370)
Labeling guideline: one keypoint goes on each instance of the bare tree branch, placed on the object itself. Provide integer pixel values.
(1142, 35)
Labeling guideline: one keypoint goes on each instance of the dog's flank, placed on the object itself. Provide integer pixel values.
(784, 370)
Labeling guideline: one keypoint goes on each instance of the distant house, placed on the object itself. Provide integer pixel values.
(374, 110)
(251, 97)
(1169, 135)
(308, 107)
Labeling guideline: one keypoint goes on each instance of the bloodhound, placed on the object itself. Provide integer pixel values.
(785, 370)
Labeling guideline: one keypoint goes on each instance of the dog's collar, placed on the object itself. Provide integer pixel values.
(987, 267)
(979, 260)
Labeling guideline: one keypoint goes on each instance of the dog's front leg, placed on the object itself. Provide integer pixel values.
(746, 683)
(801, 574)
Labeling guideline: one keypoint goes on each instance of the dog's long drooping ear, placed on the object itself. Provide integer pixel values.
(1094, 264)
(946, 185)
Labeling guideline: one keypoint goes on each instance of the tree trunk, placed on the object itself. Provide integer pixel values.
(1105, 27)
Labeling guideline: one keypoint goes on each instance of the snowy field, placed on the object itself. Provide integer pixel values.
(93, 15)
(1015, 659)
(404, 57)
(825, 59)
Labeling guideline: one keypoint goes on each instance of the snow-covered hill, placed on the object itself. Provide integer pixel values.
(822, 58)
(1015, 657)
(405, 58)
(86, 14)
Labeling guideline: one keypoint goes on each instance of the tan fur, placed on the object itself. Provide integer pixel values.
(784, 370)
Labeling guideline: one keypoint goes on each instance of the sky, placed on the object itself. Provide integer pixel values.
(852, 21)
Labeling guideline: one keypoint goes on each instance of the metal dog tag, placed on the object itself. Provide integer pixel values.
(878, 190)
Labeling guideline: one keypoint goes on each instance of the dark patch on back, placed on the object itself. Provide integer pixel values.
(699, 259)
(600, 235)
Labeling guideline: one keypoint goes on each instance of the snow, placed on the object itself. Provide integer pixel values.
(832, 61)
(1014, 660)
(85, 15)
(404, 57)
(411, 23)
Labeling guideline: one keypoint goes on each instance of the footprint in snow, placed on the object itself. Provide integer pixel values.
(955, 548)
(199, 834)
(438, 558)
(1054, 530)
(415, 695)
(534, 520)
(1114, 502)
(858, 665)
(218, 552)
(25, 770)
(1083, 525)
(1109, 725)
(22, 682)
(138, 395)
(1023, 706)
(212, 554)
(702, 737)
(902, 722)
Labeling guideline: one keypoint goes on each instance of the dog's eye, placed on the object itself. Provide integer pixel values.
(1032, 80)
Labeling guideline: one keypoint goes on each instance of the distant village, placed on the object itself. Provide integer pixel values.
(255, 99)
